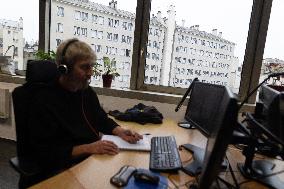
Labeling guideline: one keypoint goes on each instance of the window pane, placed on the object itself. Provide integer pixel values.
(273, 58)
(18, 32)
(107, 26)
(204, 39)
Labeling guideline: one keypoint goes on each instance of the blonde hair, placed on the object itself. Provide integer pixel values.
(76, 51)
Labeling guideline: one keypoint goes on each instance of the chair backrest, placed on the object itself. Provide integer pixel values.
(38, 75)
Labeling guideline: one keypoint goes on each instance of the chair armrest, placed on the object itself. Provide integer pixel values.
(25, 166)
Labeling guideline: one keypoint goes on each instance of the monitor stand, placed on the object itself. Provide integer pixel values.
(194, 168)
(259, 170)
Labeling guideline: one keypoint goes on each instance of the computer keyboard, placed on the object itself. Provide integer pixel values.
(164, 154)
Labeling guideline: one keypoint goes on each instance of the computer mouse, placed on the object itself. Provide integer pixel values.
(122, 177)
(146, 176)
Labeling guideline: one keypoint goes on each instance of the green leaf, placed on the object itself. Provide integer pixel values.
(110, 66)
(41, 55)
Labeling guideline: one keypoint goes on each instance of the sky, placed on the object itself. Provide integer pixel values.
(231, 17)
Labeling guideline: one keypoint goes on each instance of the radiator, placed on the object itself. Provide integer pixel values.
(4, 103)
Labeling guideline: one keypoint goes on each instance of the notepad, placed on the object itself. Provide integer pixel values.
(142, 145)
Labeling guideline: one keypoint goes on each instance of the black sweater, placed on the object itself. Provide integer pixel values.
(57, 124)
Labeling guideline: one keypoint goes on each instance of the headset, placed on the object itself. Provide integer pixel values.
(65, 67)
(93, 129)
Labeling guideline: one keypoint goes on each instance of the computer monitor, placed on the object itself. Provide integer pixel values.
(266, 132)
(202, 106)
(204, 112)
(272, 99)
(220, 136)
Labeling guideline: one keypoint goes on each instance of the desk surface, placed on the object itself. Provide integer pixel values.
(95, 171)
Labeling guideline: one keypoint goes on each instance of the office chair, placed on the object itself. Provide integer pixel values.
(38, 75)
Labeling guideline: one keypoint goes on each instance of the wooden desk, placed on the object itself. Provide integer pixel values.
(96, 171)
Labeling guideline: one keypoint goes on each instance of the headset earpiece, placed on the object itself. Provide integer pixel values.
(63, 68)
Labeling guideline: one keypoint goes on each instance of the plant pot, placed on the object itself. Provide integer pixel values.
(107, 79)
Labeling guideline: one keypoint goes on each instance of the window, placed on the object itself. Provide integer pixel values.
(123, 40)
(110, 22)
(209, 49)
(19, 30)
(77, 15)
(273, 58)
(94, 18)
(58, 41)
(84, 16)
(59, 28)
(84, 32)
(100, 35)
(93, 33)
(77, 30)
(130, 25)
(178, 43)
(115, 37)
(16, 51)
(97, 19)
(60, 11)
(101, 20)
(81, 16)
(124, 25)
(109, 36)
(96, 48)
(116, 23)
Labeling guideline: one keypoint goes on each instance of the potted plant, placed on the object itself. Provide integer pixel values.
(109, 71)
(41, 55)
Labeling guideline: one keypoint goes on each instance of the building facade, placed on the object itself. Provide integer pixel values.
(175, 54)
(12, 41)
(269, 66)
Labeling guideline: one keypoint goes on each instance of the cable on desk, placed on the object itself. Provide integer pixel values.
(190, 182)
(269, 175)
(261, 177)
(180, 148)
(218, 184)
(232, 173)
(229, 185)
(172, 181)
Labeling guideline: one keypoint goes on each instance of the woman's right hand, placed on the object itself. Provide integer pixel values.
(103, 147)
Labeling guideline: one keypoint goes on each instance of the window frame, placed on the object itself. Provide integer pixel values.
(253, 56)
(251, 68)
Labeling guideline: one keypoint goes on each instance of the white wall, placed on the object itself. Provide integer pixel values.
(7, 126)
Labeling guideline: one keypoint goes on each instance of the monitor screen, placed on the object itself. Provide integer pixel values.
(225, 112)
(272, 99)
(202, 106)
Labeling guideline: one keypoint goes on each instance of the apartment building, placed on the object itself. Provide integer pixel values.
(206, 56)
(30, 50)
(107, 29)
(175, 54)
(12, 41)
(272, 65)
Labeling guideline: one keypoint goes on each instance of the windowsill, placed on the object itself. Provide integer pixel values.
(16, 79)
(115, 92)
(126, 93)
